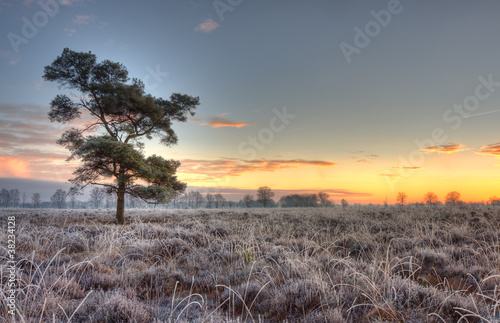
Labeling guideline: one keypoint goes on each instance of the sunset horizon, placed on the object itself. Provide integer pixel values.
(370, 106)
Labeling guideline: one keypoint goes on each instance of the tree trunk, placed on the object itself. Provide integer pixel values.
(120, 204)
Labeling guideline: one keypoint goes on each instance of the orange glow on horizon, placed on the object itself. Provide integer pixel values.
(14, 167)
(475, 176)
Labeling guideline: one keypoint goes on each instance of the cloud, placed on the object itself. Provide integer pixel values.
(4, 4)
(207, 26)
(444, 149)
(38, 85)
(492, 150)
(363, 158)
(28, 139)
(69, 31)
(69, 2)
(13, 167)
(11, 58)
(62, 2)
(203, 170)
(83, 19)
(28, 2)
(392, 175)
(219, 122)
(397, 171)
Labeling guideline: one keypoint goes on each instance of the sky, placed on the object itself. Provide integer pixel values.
(360, 99)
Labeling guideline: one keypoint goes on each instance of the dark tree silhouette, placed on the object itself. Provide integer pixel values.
(452, 198)
(219, 200)
(401, 198)
(15, 197)
(247, 200)
(37, 201)
(210, 200)
(430, 198)
(97, 196)
(122, 114)
(59, 199)
(324, 199)
(264, 195)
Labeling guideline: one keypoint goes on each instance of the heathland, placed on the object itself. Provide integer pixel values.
(359, 264)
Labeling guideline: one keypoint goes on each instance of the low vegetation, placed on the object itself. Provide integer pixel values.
(352, 264)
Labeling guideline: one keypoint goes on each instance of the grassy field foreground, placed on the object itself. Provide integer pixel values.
(271, 265)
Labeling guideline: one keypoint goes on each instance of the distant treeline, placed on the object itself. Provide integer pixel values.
(102, 199)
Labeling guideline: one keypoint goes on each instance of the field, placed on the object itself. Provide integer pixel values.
(362, 264)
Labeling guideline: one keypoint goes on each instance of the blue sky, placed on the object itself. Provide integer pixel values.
(252, 57)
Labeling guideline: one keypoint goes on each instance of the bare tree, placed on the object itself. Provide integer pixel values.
(324, 199)
(248, 200)
(15, 197)
(219, 200)
(344, 203)
(197, 199)
(452, 198)
(5, 198)
(109, 199)
(72, 201)
(401, 198)
(182, 200)
(59, 199)
(299, 200)
(494, 201)
(264, 195)
(431, 198)
(97, 195)
(210, 200)
(176, 200)
(37, 201)
(24, 200)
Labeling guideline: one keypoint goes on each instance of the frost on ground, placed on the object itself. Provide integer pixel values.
(256, 265)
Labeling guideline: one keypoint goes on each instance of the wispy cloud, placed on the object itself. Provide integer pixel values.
(397, 171)
(362, 157)
(13, 167)
(386, 174)
(445, 149)
(30, 143)
(217, 168)
(4, 4)
(207, 26)
(37, 85)
(10, 57)
(492, 150)
(69, 31)
(69, 2)
(28, 3)
(83, 19)
(219, 122)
